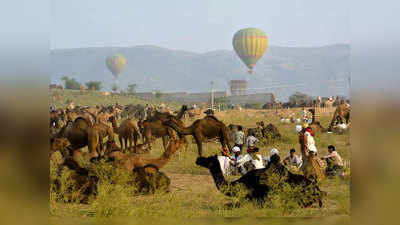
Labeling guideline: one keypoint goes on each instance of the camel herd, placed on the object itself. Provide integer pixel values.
(74, 129)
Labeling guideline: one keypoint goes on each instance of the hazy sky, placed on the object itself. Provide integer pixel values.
(196, 25)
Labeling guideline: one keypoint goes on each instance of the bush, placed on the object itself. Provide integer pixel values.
(71, 83)
(94, 85)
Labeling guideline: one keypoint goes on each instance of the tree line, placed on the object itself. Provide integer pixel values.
(73, 84)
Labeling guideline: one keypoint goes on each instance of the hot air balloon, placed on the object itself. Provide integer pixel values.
(116, 63)
(250, 45)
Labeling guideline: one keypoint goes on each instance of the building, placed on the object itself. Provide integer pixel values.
(238, 87)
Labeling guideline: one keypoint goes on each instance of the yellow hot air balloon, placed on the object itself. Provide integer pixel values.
(116, 64)
(250, 45)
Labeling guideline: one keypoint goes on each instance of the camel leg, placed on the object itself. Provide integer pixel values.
(135, 138)
(199, 145)
(165, 141)
(121, 143)
(126, 142)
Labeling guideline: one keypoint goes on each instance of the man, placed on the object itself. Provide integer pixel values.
(309, 139)
(234, 160)
(334, 162)
(239, 138)
(267, 159)
(251, 141)
(292, 160)
(252, 160)
(304, 115)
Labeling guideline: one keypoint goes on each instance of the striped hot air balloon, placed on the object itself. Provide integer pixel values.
(250, 45)
(116, 64)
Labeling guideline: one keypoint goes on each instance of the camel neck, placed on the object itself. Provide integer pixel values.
(218, 177)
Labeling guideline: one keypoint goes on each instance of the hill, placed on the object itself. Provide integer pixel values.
(155, 68)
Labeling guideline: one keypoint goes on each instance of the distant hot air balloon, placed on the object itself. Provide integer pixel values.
(250, 45)
(116, 63)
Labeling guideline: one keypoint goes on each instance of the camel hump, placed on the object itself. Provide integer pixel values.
(82, 123)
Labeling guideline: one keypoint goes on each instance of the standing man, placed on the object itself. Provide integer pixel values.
(239, 138)
(304, 115)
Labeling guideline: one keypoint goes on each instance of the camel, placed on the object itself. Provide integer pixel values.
(147, 179)
(255, 185)
(154, 127)
(311, 167)
(202, 130)
(341, 114)
(126, 131)
(131, 161)
(76, 132)
(269, 131)
(329, 103)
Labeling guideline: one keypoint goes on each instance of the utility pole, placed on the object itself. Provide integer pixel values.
(212, 95)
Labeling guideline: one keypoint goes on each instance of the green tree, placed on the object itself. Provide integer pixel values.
(71, 83)
(114, 87)
(158, 94)
(94, 85)
(298, 97)
(131, 89)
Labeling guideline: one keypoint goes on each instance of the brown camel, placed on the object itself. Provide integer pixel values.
(341, 114)
(202, 130)
(270, 131)
(131, 161)
(76, 132)
(154, 127)
(311, 167)
(96, 135)
(126, 131)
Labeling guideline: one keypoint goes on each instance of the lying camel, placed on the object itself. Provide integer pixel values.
(256, 184)
(202, 130)
(341, 114)
(131, 161)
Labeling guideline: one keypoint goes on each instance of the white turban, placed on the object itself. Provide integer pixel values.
(236, 149)
(273, 152)
(298, 128)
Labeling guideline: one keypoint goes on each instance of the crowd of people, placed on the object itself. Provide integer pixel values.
(241, 161)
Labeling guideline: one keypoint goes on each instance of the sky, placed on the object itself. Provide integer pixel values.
(199, 26)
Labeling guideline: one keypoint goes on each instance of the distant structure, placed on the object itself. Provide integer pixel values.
(238, 87)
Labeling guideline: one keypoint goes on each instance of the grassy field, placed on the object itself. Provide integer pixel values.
(193, 193)
(93, 98)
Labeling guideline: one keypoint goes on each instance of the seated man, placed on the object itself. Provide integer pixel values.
(334, 162)
(267, 159)
(292, 160)
(252, 160)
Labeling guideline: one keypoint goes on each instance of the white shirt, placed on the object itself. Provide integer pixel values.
(310, 142)
(336, 156)
(257, 162)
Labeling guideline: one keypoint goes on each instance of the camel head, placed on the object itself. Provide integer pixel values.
(207, 162)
